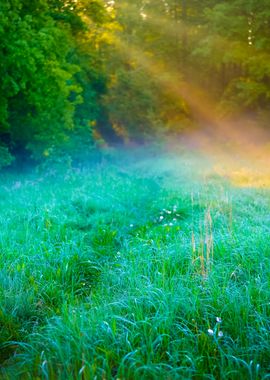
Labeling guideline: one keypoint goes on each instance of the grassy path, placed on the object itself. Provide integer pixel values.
(136, 268)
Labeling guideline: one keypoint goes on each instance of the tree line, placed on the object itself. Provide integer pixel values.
(76, 73)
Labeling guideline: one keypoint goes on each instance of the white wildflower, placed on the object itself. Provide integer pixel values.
(220, 334)
(210, 332)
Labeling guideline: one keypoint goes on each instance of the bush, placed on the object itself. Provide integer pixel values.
(5, 157)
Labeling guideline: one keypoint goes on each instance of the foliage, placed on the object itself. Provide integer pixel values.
(235, 44)
(5, 157)
(37, 78)
(73, 72)
(132, 104)
(218, 46)
(44, 77)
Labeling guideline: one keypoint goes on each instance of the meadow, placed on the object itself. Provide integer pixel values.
(137, 266)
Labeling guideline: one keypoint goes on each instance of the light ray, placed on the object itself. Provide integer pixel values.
(238, 148)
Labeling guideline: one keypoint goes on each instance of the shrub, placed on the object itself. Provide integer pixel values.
(5, 157)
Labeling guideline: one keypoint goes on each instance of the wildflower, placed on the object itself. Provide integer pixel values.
(161, 217)
(220, 334)
(218, 319)
(210, 332)
(131, 225)
(171, 224)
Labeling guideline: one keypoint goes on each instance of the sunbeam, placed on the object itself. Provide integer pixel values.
(221, 138)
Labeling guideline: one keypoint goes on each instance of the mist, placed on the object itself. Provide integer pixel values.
(134, 189)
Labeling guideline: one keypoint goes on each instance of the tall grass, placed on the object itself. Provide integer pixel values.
(134, 269)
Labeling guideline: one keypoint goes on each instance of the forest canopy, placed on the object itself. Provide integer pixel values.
(75, 73)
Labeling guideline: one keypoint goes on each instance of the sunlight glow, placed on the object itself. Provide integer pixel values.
(216, 136)
(170, 80)
(220, 138)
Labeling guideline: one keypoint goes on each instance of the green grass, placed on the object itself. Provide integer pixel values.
(119, 271)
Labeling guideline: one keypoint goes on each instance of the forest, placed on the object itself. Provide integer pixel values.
(77, 74)
(134, 189)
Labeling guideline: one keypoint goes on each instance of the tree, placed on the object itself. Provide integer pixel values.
(52, 75)
(235, 50)
(37, 80)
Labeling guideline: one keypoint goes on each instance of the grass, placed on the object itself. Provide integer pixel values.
(135, 268)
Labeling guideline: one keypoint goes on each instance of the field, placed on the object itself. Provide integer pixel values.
(149, 266)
